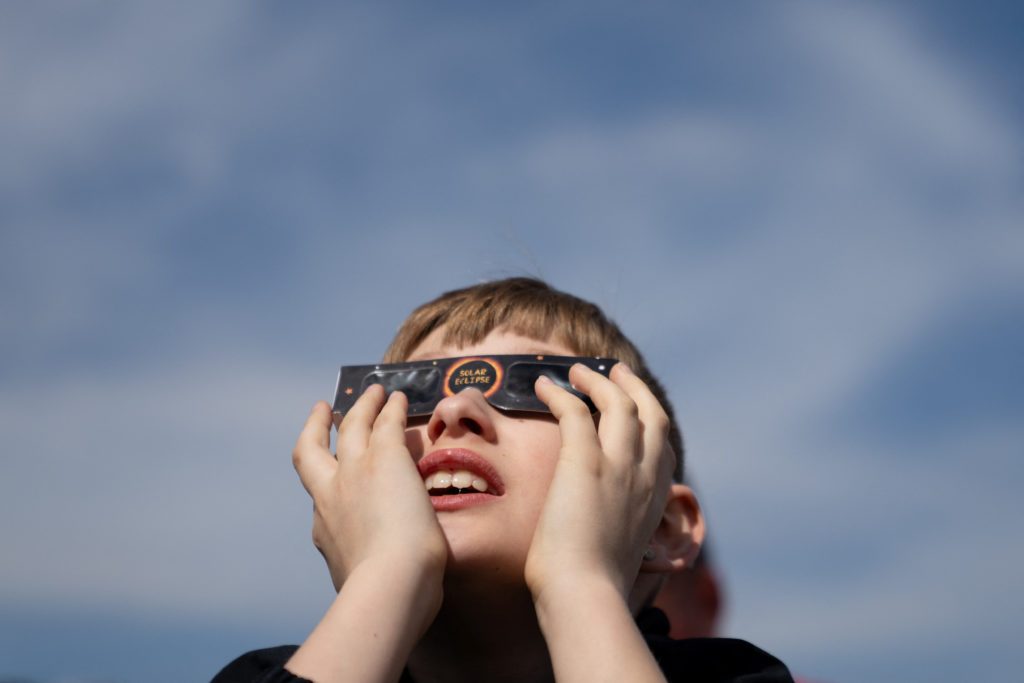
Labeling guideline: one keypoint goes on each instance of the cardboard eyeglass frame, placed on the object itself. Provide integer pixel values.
(506, 381)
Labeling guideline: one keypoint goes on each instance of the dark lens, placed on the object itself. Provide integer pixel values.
(521, 377)
(418, 384)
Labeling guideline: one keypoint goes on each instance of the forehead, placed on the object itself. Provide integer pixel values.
(499, 341)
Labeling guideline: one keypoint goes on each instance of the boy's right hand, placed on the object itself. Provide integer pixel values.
(369, 503)
(375, 526)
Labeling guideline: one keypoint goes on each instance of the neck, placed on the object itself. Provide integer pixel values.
(482, 634)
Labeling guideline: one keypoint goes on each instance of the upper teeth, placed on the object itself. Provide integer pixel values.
(460, 479)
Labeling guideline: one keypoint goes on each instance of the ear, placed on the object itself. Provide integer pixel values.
(676, 542)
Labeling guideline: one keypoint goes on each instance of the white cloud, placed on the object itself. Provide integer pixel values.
(896, 85)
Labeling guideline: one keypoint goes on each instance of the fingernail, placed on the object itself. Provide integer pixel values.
(626, 368)
(544, 379)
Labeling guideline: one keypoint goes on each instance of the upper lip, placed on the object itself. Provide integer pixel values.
(461, 459)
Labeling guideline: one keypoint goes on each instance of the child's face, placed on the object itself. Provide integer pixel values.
(514, 453)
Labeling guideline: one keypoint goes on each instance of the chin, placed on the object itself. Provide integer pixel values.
(471, 560)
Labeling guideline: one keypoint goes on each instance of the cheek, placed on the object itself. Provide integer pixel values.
(544, 448)
(552, 444)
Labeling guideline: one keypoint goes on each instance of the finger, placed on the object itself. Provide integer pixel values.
(619, 427)
(389, 427)
(354, 430)
(575, 423)
(651, 413)
(312, 455)
(648, 404)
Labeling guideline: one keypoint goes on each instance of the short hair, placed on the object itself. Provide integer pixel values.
(531, 308)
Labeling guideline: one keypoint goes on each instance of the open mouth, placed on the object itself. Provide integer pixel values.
(459, 478)
(455, 482)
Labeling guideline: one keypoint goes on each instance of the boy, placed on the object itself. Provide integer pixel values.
(559, 528)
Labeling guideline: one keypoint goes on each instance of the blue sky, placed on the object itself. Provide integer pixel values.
(807, 214)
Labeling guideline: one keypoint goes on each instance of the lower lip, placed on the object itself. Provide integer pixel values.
(460, 501)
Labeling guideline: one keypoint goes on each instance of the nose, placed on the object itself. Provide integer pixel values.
(466, 412)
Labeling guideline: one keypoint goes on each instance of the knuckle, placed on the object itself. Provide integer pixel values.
(388, 419)
(318, 534)
(620, 402)
(577, 408)
(653, 414)
(344, 428)
(630, 407)
(660, 421)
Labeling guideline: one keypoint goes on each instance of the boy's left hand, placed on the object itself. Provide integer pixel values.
(610, 484)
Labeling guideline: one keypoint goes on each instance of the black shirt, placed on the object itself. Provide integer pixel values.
(694, 660)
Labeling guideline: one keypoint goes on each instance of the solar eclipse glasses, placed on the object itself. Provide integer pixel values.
(506, 381)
